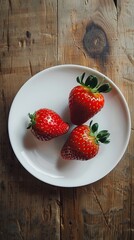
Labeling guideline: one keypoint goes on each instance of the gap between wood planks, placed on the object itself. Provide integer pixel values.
(115, 2)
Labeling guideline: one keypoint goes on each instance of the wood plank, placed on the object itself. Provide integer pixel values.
(29, 209)
(126, 72)
(89, 34)
(77, 20)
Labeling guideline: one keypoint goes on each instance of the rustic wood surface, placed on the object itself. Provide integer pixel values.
(37, 34)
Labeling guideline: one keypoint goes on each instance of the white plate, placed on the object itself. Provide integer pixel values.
(50, 88)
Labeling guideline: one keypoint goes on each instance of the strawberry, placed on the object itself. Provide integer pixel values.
(86, 100)
(47, 124)
(83, 142)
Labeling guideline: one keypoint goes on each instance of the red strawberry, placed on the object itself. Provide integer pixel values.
(83, 142)
(47, 124)
(86, 100)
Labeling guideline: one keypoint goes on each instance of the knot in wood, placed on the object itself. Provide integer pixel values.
(95, 41)
(28, 34)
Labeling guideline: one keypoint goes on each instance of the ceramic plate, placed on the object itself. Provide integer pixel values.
(50, 88)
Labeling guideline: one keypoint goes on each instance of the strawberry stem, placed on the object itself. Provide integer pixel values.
(32, 120)
(101, 136)
(93, 84)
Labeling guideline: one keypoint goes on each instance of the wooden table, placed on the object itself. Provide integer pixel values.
(37, 34)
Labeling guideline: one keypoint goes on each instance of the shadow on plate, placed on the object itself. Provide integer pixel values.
(61, 163)
(29, 141)
(66, 115)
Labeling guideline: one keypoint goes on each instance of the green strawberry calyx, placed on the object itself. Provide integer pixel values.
(32, 120)
(93, 84)
(101, 136)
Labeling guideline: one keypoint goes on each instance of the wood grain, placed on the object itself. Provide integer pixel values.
(35, 35)
(29, 209)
